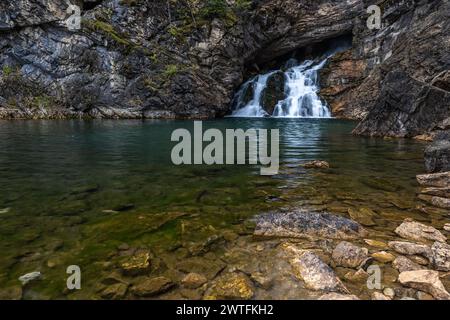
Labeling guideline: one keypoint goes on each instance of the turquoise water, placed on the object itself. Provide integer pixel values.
(71, 192)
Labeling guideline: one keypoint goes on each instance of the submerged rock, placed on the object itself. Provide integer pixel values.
(300, 224)
(115, 292)
(441, 256)
(363, 216)
(409, 248)
(137, 265)
(379, 296)
(193, 280)
(425, 280)
(383, 256)
(350, 256)
(208, 268)
(403, 264)
(316, 274)
(152, 286)
(416, 231)
(230, 286)
(29, 277)
(338, 296)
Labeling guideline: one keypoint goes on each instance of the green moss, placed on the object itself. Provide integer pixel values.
(7, 70)
(171, 70)
(109, 31)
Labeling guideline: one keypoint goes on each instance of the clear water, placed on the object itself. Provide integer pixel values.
(59, 181)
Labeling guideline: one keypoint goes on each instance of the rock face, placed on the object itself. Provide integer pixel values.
(416, 231)
(350, 256)
(437, 156)
(299, 224)
(145, 59)
(425, 280)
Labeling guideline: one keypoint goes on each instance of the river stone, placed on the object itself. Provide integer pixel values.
(152, 286)
(425, 280)
(317, 164)
(447, 227)
(338, 296)
(409, 248)
(193, 280)
(115, 292)
(208, 268)
(300, 224)
(439, 180)
(363, 216)
(403, 264)
(383, 256)
(29, 277)
(356, 276)
(316, 274)
(230, 286)
(416, 231)
(349, 255)
(137, 264)
(443, 203)
(379, 296)
(389, 292)
(376, 244)
(441, 256)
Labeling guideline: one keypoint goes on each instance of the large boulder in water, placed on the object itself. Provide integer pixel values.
(301, 224)
(274, 92)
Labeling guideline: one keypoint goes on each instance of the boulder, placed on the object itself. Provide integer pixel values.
(349, 255)
(316, 274)
(425, 280)
(152, 286)
(383, 256)
(437, 156)
(300, 224)
(403, 264)
(193, 280)
(416, 231)
(231, 286)
(438, 180)
(440, 256)
(409, 248)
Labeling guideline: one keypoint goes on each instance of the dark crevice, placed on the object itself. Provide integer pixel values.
(89, 5)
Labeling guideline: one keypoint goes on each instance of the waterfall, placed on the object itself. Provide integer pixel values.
(301, 92)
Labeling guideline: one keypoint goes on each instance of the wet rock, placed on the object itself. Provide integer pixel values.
(138, 264)
(439, 180)
(317, 164)
(437, 156)
(440, 256)
(29, 277)
(317, 275)
(274, 92)
(424, 296)
(437, 192)
(152, 286)
(416, 231)
(202, 266)
(383, 256)
(300, 224)
(447, 227)
(338, 296)
(230, 286)
(357, 276)
(11, 293)
(193, 280)
(376, 244)
(379, 296)
(364, 216)
(425, 280)
(409, 248)
(443, 203)
(403, 264)
(115, 292)
(389, 292)
(349, 255)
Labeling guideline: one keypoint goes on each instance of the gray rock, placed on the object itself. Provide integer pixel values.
(437, 156)
(441, 256)
(438, 180)
(299, 224)
(316, 274)
(425, 280)
(416, 231)
(349, 255)
(403, 264)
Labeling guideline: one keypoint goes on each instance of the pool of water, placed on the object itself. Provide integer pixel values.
(72, 192)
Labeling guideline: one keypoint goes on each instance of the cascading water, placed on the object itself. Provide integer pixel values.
(301, 92)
